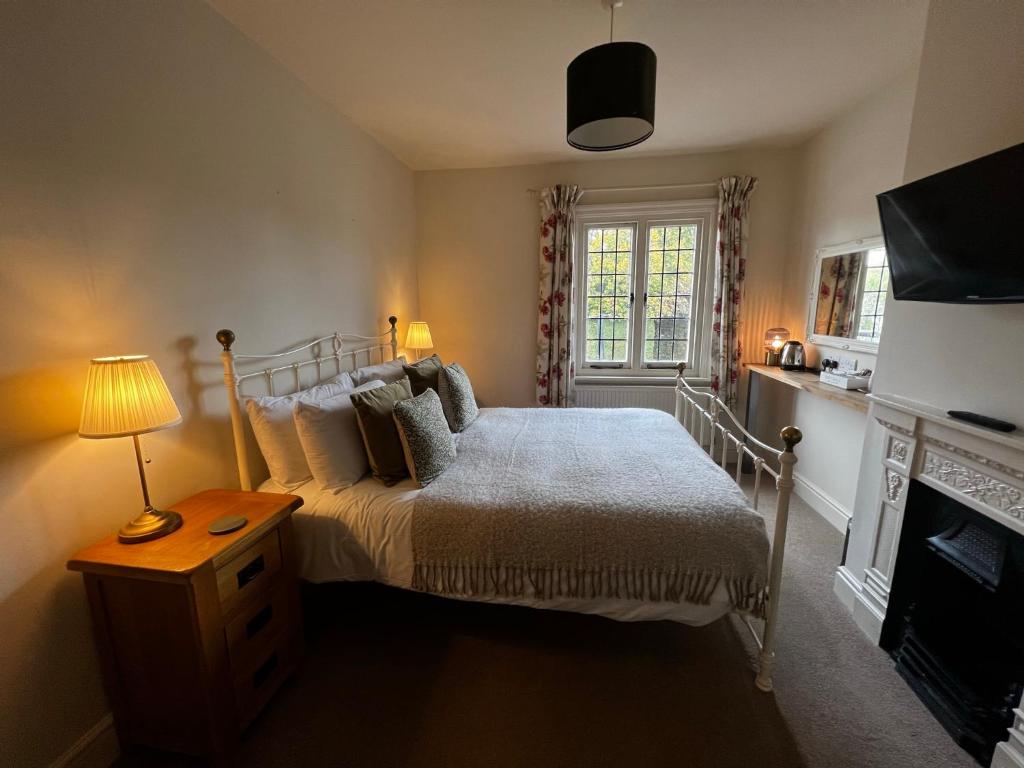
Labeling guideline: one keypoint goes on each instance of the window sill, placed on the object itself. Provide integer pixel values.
(632, 380)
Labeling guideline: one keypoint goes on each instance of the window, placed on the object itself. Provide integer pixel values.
(643, 287)
(872, 301)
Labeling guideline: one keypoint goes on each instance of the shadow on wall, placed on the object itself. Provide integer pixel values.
(205, 388)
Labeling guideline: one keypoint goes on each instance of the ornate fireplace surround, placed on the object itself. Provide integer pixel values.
(978, 467)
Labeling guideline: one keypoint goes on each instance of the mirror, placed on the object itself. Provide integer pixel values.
(847, 301)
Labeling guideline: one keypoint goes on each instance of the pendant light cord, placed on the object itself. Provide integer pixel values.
(611, 32)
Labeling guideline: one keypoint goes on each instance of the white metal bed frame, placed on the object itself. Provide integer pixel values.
(700, 413)
(233, 380)
(695, 418)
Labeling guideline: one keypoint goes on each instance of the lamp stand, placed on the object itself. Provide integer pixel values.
(152, 523)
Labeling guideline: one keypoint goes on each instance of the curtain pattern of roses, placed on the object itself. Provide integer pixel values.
(837, 295)
(555, 368)
(730, 267)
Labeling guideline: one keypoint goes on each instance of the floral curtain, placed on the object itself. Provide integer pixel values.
(837, 295)
(730, 266)
(555, 370)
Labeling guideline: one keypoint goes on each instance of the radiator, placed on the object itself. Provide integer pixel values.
(626, 396)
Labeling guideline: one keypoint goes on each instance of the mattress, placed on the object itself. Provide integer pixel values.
(364, 533)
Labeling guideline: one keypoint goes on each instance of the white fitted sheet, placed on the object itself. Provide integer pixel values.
(364, 533)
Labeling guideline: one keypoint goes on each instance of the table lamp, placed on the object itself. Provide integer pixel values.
(127, 396)
(774, 339)
(418, 338)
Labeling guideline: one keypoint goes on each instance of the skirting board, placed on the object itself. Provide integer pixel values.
(850, 592)
(822, 503)
(98, 748)
(1008, 754)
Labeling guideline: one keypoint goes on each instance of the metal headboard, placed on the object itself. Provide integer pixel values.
(320, 354)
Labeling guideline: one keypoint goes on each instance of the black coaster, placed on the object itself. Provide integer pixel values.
(227, 524)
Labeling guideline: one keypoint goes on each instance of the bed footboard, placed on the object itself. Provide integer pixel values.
(717, 429)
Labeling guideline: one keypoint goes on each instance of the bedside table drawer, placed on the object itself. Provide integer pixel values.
(250, 632)
(255, 684)
(249, 572)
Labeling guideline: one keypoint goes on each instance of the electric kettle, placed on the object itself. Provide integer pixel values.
(792, 356)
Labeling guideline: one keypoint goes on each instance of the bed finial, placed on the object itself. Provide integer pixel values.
(791, 436)
(681, 367)
(226, 338)
(393, 333)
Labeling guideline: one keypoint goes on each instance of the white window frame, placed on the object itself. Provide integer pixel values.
(642, 216)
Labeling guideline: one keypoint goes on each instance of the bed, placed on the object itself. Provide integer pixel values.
(540, 510)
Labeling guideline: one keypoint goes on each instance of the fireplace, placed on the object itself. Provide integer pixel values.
(955, 616)
(935, 569)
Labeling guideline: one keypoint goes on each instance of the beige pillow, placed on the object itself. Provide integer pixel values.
(330, 438)
(386, 372)
(274, 426)
(374, 410)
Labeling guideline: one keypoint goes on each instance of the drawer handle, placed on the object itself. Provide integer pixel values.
(259, 621)
(251, 571)
(261, 675)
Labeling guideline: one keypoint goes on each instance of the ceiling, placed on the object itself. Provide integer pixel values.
(474, 83)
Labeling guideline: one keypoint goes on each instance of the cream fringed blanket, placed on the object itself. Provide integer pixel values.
(587, 503)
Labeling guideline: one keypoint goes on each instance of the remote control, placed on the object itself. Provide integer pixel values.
(983, 421)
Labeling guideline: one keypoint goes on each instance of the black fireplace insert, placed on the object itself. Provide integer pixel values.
(955, 617)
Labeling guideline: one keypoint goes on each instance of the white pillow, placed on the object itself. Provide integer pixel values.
(274, 427)
(386, 372)
(331, 440)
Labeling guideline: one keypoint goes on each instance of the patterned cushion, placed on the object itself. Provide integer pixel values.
(456, 395)
(423, 374)
(426, 440)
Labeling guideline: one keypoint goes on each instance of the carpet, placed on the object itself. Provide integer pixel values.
(393, 678)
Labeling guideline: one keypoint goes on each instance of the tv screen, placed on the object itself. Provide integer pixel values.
(957, 236)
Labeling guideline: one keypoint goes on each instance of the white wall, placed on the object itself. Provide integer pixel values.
(969, 102)
(841, 169)
(161, 178)
(477, 250)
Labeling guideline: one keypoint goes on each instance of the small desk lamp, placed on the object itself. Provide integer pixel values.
(418, 338)
(774, 339)
(127, 396)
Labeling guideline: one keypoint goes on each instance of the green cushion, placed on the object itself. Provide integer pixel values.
(427, 442)
(380, 435)
(423, 374)
(457, 400)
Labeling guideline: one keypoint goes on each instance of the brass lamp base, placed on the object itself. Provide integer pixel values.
(151, 524)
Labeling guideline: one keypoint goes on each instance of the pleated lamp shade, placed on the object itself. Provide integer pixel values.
(418, 336)
(126, 396)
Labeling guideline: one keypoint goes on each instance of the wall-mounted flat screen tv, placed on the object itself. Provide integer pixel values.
(958, 236)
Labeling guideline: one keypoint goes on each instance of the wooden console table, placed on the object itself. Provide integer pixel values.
(804, 380)
(801, 380)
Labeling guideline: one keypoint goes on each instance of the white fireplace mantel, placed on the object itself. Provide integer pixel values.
(978, 467)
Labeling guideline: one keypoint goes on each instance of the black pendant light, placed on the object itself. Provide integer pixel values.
(610, 94)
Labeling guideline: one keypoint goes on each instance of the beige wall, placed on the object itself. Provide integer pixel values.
(969, 102)
(841, 169)
(477, 250)
(160, 177)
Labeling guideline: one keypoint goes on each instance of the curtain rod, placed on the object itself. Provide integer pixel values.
(646, 187)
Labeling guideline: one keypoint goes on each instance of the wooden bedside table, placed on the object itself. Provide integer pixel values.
(195, 632)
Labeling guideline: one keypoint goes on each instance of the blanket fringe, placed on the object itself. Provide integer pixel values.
(746, 594)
